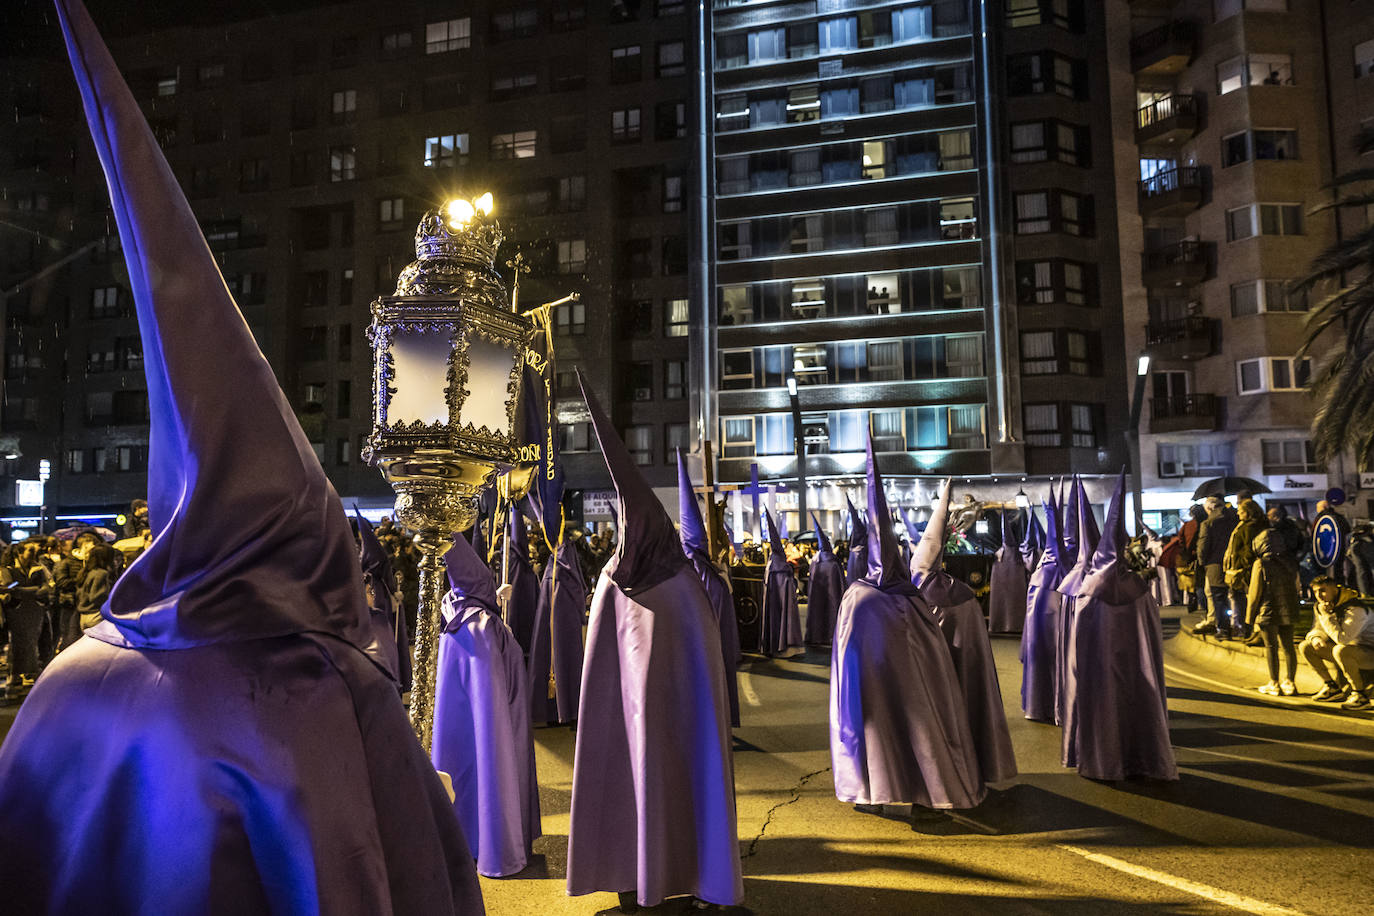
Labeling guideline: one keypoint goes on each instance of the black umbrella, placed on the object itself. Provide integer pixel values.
(1229, 486)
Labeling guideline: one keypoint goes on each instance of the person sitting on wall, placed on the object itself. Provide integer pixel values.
(1342, 635)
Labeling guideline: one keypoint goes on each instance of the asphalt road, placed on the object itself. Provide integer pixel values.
(1274, 814)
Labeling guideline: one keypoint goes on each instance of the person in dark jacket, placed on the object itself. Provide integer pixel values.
(1360, 553)
(1273, 597)
(1239, 562)
(1189, 569)
(67, 575)
(98, 575)
(27, 588)
(1212, 541)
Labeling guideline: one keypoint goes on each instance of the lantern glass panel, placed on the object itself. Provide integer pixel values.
(489, 371)
(420, 374)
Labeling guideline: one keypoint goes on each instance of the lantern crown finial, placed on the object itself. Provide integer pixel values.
(461, 230)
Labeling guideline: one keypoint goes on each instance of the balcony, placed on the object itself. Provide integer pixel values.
(1169, 120)
(1180, 264)
(1200, 412)
(1188, 338)
(1163, 51)
(1174, 192)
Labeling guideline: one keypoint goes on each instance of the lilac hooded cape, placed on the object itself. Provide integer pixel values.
(1033, 543)
(960, 617)
(221, 742)
(388, 624)
(524, 597)
(556, 638)
(1007, 598)
(692, 534)
(857, 566)
(1069, 587)
(899, 728)
(824, 591)
(1038, 638)
(1116, 718)
(782, 633)
(482, 721)
(653, 798)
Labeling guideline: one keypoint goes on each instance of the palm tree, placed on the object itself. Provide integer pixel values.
(1343, 383)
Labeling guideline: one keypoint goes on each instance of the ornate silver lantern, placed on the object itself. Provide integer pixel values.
(447, 358)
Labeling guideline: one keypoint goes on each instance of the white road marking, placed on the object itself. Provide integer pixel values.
(1205, 891)
(746, 689)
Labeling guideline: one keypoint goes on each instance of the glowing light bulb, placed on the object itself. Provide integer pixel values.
(460, 213)
(485, 204)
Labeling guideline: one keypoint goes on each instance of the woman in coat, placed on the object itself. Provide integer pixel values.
(96, 580)
(1273, 600)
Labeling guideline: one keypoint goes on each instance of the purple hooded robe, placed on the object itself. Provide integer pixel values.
(824, 590)
(1042, 615)
(1116, 717)
(1069, 587)
(1033, 543)
(653, 798)
(556, 638)
(960, 616)
(899, 728)
(781, 636)
(692, 533)
(221, 742)
(857, 566)
(388, 624)
(1007, 598)
(524, 596)
(481, 720)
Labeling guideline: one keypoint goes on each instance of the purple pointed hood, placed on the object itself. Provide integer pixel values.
(518, 536)
(692, 528)
(929, 556)
(1034, 539)
(1087, 525)
(1068, 517)
(884, 555)
(1110, 578)
(469, 575)
(774, 537)
(1008, 539)
(647, 548)
(372, 556)
(251, 540)
(913, 528)
(823, 546)
(858, 530)
(1054, 541)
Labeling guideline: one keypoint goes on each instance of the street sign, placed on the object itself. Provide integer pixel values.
(1328, 541)
(28, 493)
(1367, 480)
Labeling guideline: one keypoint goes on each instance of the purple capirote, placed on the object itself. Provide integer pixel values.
(857, 566)
(482, 720)
(899, 727)
(524, 584)
(1038, 637)
(388, 624)
(824, 590)
(1069, 587)
(556, 639)
(1116, 717)
(781, 634)
(1007, 585)
(222, 741)
(653, 798)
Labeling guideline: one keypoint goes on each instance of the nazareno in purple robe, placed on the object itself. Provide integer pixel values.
(1033, 543)
(1116, 713)
(781, 635)
(960, 617)
(692, 535)
(482, 720)
(221, 741)
(524, 584)
(857, 564)
(1042, 616)
(556, 639)
(1007, 586)
(824, 590)
(1068, 595)
(388, 624)
(653, 798)
(899, 728)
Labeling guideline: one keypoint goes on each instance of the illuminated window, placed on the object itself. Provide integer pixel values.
(676, 317)
(1254, 70)
(639, 440)
(572, 256)
(343, 163)
(738, 433)
(672, 193)
(520, 144)
(625, 125)
(344, 106)
(574, 437)
(390, 211)
(446, 151)
(394, 44)
(571, 318)
(674, 379)
(572, 193)
(674, 440)
(448, 35)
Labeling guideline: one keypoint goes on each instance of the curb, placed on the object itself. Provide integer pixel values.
(1232, 662)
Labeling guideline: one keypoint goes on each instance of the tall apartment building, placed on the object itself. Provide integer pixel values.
(903, 227)
(309, 144)
(1235, 102)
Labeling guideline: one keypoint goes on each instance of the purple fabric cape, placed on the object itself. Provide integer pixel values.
(221, 742)
(1033, 543)
(1038, 638)
(1069, 587)
(389, 634)
(857, 566)
(899, 727)
(524, 596)
(782, 632)
(556, 640)
(653, 798)
(482, 720)
(1007, 585)
(960, 617)
(1116, 722)
(692, 535)
(824, 591)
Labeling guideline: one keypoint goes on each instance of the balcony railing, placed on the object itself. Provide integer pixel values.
(1172, 192)
(1180, 338)
(1163, 50)
(1181, 264)
(1171, 119)
(1181, 412)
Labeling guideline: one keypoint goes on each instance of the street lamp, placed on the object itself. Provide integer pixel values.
(1142, 372)
(799, 445)
(44, 472)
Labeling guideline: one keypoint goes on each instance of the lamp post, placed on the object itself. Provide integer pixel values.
(44, 472)
(447, 358)
(1142, 372)
(799, 445)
